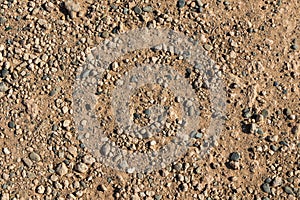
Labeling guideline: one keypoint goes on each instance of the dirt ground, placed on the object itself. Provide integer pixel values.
(254, 43)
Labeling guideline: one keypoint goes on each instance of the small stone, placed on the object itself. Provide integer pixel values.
(11, 124)
(131, 170)
(277, 182)
(54, 91)
(6, 151)
(296, 130)
(198, 135)
(72, 8)
(235, 156)
(105, 149)
(49, 6)
(234, 165)
(247, 113)
(34, 157)
(105, 34)
(65, 109)
(287, 111)
(2, 47)
(137, 10)
(4, 72)
(288, 190)
(199, 3)
(198, 170)
(181, 3)
(260, 131)
(148, 9)
(40, 189)
(5, 176)
(43, 23)
(268, 180)
(101, 188)
(265, 113)
(208, 47)
(294, 47)
(81, 167)
(266, 188)
(3, 87)
(62, 169)
(73, 151)
(184, 187)
(66, 123)
(177, 166)
(27, 162)
(87, 159)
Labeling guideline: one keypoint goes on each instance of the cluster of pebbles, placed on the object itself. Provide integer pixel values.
(43, 45)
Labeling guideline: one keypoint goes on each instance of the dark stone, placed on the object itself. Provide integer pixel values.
(181, 3)
(235, 156)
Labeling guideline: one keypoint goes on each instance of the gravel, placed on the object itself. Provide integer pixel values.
(43, 48)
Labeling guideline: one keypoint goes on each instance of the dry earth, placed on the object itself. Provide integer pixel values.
(255, 43)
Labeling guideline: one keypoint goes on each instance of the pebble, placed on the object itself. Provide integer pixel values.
(66, 123)
(102, 188)
(199, 3)
(234, 165)
(54, 91)
(260, 131)
(81, 167)
(89, 160)
(198, 135)
(288, 190)
(49, 6)
(294, 47)
(287, 111)
(73, 151)
(11, 124)
(34, 157)
(3, 87)
(62, 169)
(137, 10)
(72, 8)
(181, 3)
(49, 58)
(265, 113)
(105, 34)
(6, 151)
(296, 130)
(208, 47)
(148, 9)
(266, 188)
(40, 189)
(105, 149)
(4, 72)
(43, 23)
(277, 182)
(235, 156)
(27, 162)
